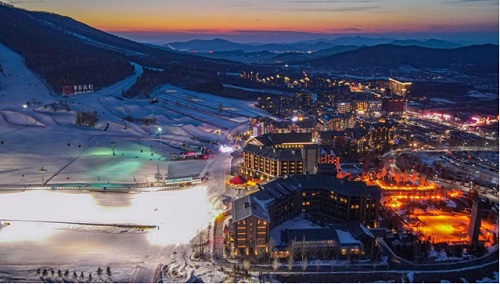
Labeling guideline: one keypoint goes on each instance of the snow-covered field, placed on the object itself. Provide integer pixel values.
(38, 136)
(38, 130)
(41, 243)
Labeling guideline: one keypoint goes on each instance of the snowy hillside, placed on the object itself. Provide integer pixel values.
(39, 135)
(81, 231)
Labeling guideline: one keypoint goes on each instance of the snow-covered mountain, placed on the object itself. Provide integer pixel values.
(64, 51)
(39, 129)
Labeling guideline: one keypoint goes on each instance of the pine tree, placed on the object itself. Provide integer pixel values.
(99, 271)
(108, 271)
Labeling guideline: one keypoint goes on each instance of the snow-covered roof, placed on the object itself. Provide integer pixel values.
(247, 206)
(345, 238)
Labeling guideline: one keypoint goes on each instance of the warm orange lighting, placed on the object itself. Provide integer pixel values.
(427, 187)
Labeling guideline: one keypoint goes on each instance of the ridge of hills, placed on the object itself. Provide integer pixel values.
(475, 58)
(222, 45)
(64, 51)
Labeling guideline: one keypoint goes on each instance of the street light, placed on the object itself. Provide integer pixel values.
(161, 144)
(113, 143)
(42, 172)
(25, 106)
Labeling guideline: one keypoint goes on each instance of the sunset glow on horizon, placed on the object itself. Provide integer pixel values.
(243, 17)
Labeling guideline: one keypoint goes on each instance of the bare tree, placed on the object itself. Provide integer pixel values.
(247, 265)
(414, 177)
(198, 243)
(314, 251)
(108, 272)
(334, 259)
(289, 262)
(291, 249)
(303, 248)
(304, 264)
(276, 264)
(398, 177)
(233, 270)
(336, 252)
(260, 249)
(375, 263)
(324, 252)
(271, 246)
(349, 258)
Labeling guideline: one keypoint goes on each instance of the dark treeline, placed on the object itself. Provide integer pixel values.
(66, 52)
(181, 76)
(145, 84)
(59, 58)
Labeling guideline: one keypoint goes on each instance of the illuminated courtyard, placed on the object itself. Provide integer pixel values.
(435, 222)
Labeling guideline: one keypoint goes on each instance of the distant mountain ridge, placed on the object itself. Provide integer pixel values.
(430, 43)
(481, 57)
(223, 45)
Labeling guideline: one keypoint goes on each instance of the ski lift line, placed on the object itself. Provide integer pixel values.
(209, 108)
(211, 113)
(199, 119)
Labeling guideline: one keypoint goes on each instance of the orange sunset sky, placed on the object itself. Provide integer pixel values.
(232, 17)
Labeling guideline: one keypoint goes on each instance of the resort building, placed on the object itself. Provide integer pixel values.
(271, 156)
(280, 200)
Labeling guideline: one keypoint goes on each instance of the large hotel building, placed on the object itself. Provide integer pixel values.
(285, 198)
(271, 156)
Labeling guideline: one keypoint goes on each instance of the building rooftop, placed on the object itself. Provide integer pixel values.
(326, 182)
(256, 203)
(311, 234)
(330, 134)
(273, 153)
(282, 138)
(247, 206)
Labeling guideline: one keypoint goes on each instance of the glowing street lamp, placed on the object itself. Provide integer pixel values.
(25, 106)
(161, 144)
